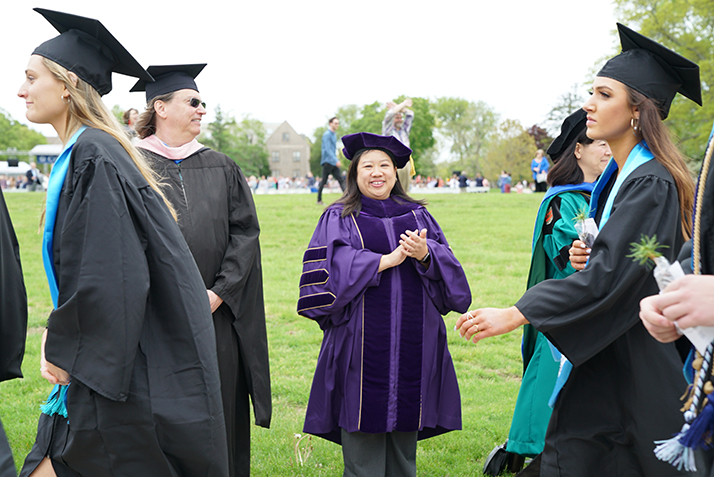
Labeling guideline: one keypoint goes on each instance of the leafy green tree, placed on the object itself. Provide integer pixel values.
(347, 115)
(118, 113)
(14, 134)
(251, 153)
(540, 136)
(243, 141)
(368, 118)
(567, 103)
(221, 132)
(316, 151)
(467, 127)
(687, 27)
(427, 163)
(511, 150)
(421, 136)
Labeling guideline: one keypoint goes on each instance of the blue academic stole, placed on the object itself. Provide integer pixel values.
(639, 155)
(57, 401)
(54, 189)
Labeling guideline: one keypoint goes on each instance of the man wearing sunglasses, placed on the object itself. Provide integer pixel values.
(217, 216)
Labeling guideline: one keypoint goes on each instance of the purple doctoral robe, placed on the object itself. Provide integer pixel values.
(384, 365)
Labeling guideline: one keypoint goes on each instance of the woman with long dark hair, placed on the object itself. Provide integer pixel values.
(129, 345)
(378, 275)
(623, 388)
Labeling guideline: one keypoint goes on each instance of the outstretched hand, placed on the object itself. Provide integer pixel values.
(486, 322)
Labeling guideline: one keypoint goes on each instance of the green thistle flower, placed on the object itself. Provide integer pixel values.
(646, 250)
(582, 215)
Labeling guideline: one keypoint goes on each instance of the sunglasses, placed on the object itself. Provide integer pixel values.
(195, 103)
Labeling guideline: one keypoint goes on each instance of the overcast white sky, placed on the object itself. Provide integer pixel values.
(299, 60)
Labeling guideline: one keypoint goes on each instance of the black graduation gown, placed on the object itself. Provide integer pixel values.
(707, 226)
(13, 300)
(133, 329)
(210, 192)
(217, 216)
(623, 392)
(706, 249)
(13, 319)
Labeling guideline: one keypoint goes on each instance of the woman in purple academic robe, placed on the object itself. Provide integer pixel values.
(377, 276)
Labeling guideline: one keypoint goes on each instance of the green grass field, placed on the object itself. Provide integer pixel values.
(489, 233)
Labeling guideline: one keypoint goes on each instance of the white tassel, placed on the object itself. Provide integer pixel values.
(690, 463)
(674, 452)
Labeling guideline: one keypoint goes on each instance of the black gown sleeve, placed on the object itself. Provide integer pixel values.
(243, 244)
(103, 276)
(13, 300)
(585, 312)
(239, 282)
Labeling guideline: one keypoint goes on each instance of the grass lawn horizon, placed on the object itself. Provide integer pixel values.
(490, 234)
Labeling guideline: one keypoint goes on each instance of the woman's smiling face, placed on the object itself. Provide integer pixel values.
(376, 174)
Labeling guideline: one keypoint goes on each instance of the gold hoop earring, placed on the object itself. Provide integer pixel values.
(65, 99)
(635, 123)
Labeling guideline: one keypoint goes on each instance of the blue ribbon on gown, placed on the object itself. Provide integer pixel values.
(639, 155)
(57, 400)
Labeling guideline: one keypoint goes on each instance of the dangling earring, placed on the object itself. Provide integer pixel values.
(65, 99)
(635, 123)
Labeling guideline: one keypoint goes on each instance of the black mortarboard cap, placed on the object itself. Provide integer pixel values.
(86, 48)
(169, 78)
(569, 131)
(354, 143)
(655, 71)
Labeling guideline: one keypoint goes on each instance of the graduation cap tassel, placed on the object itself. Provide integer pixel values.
(700, 430)
(56, 402)
(687, 397)
(679, 450)
(672, 450)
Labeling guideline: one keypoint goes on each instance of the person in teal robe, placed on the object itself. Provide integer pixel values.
(578, 162)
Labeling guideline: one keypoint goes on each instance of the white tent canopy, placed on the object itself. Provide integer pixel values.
(46, 153)
(20, 170)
